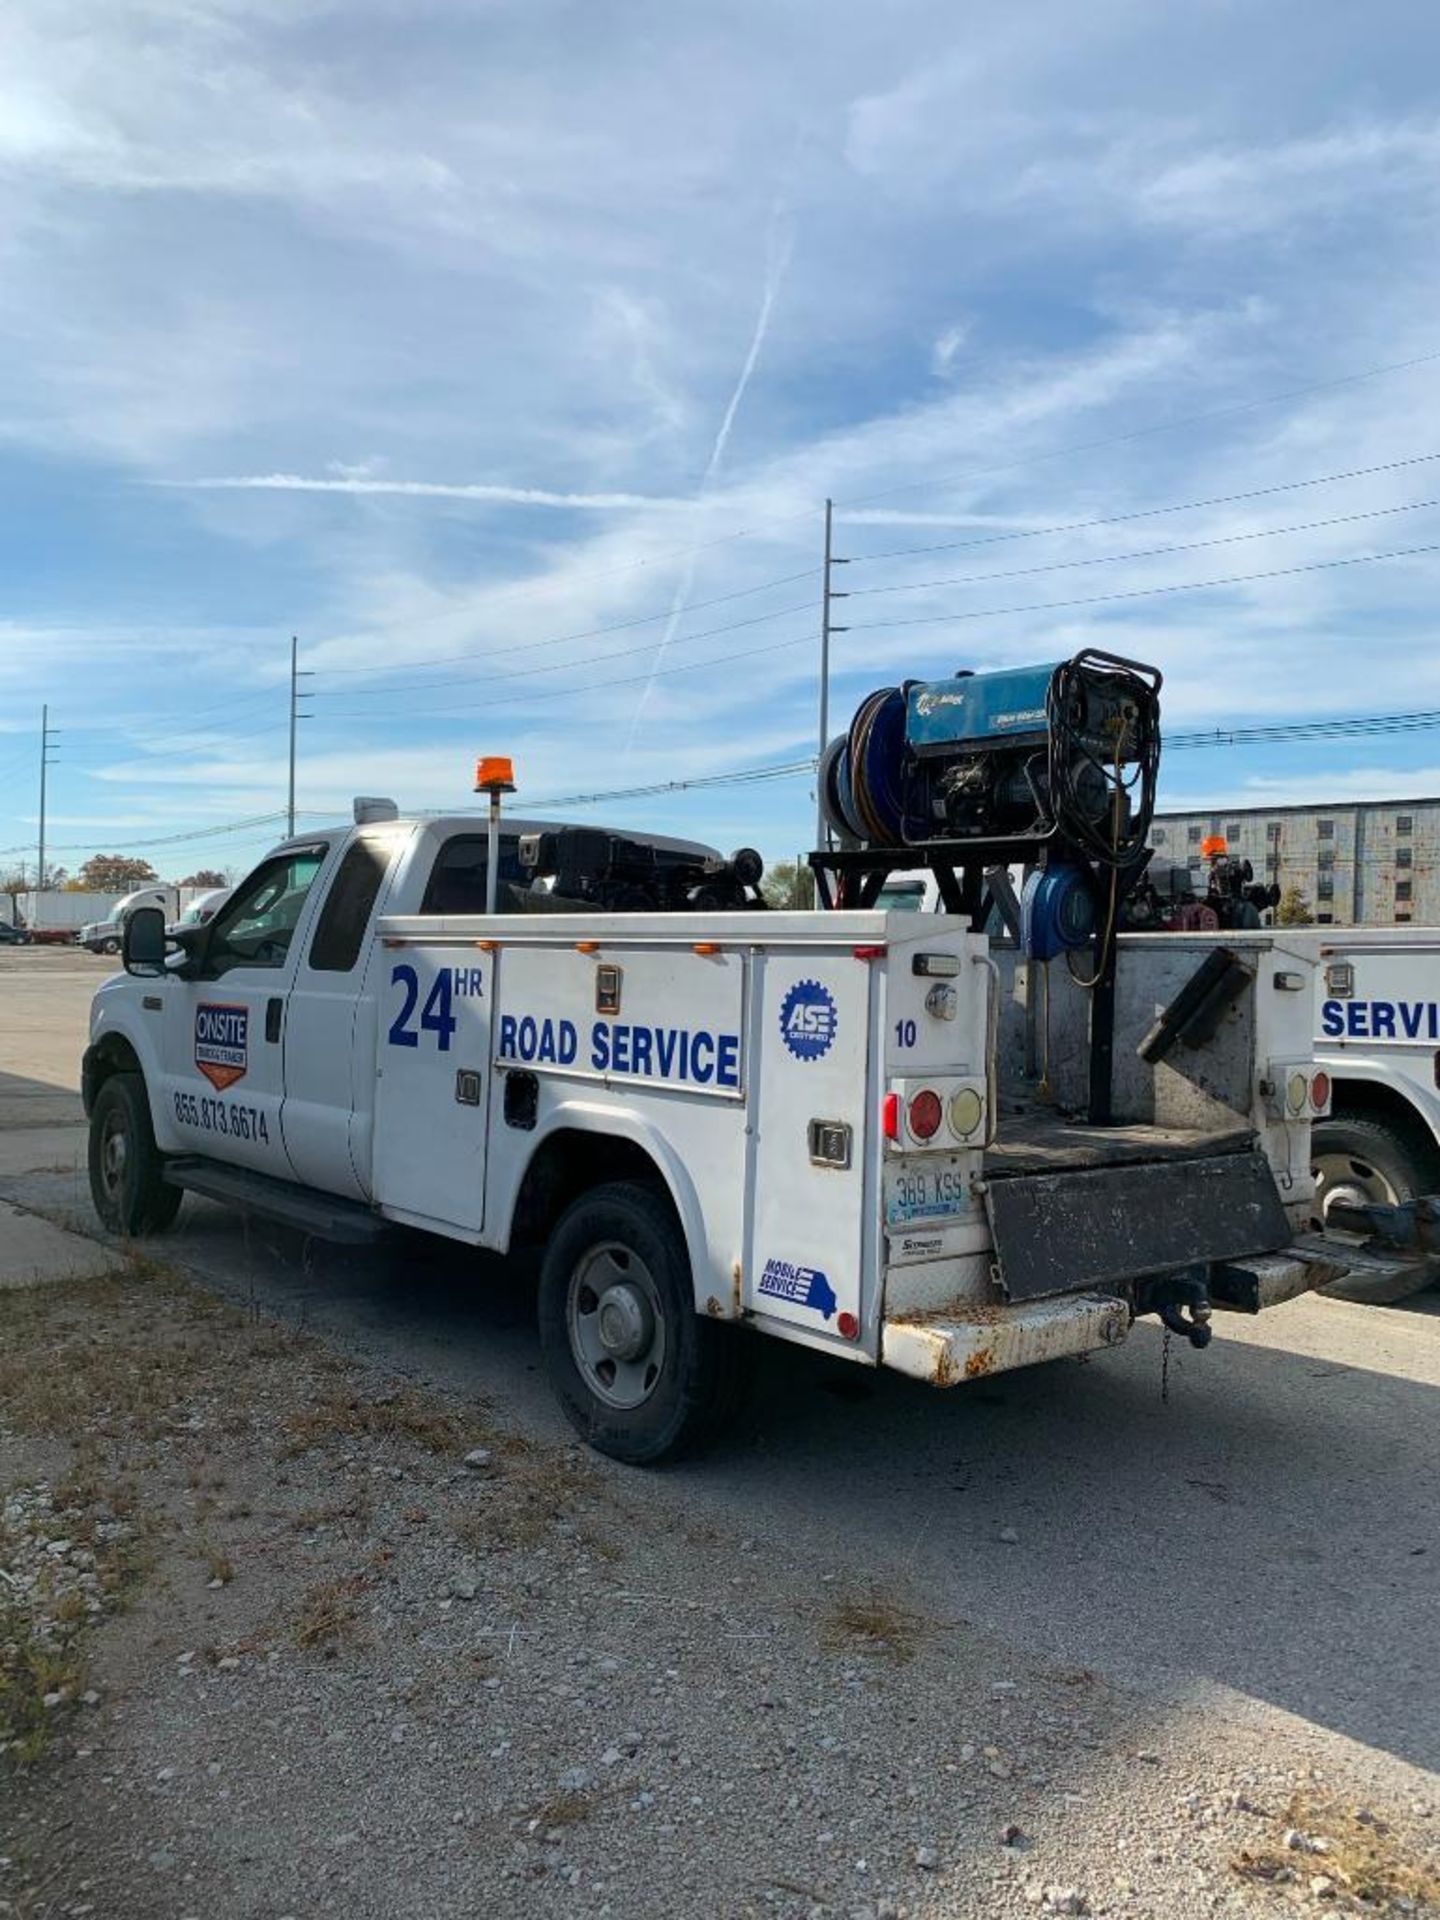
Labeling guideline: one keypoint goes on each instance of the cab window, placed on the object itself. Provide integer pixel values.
(457, 880)
(345, 915)
(257, 923)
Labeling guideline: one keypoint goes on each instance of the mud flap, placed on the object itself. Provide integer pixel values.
(1074, 1232)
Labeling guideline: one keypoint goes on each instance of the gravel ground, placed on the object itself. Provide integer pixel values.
(322, 1641)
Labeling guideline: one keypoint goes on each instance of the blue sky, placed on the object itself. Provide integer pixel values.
(448, 336)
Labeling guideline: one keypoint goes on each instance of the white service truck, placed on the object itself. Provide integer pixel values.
(1378, 1034)
(852, 1129)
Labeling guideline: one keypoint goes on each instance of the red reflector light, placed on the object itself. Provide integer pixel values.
(1320, 1091)
(890, 1115)
(924, 1114)
(849, 1326)
(868, 953)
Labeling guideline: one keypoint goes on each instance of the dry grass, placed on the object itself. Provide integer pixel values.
(28, 1672)
(329, 1616)
(419, 1418)
(1361, 1854)
(565, 1810)
(521, 1510)
(872, 1625)
(218, 1564)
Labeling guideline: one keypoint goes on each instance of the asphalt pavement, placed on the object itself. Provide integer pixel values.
(1252, 1529)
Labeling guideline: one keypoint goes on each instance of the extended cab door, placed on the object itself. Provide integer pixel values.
(330, 1022)
(433, 1082)
(224, 1057)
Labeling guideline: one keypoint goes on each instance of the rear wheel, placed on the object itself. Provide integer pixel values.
(1365, 1162)
(641, 1376)
(110, 946)
(127, 1180)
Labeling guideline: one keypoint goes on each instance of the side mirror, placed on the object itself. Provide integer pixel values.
(142, 944)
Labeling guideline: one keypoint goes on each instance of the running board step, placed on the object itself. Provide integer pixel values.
(325, 1215)
(965, 1341)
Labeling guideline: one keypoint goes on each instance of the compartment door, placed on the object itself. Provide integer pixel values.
(806, 1244)
(433, 1083)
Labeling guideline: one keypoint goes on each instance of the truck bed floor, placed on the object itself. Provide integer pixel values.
(1037, 1139)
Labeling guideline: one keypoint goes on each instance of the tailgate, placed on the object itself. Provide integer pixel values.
(1071, 1232)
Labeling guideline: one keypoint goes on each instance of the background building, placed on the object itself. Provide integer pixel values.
(1369, 863)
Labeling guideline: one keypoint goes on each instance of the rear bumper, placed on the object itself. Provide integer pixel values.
(967, 1340)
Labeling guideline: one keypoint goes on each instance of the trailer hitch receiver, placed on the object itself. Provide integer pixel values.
(1182, 1301)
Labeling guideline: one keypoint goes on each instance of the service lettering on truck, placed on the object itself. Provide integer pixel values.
(450, 984)
(1380, 1020)
(682, 1056)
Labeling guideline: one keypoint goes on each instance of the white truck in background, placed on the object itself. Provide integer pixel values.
(820, 1126)
(105, 935)
(1378, 1034)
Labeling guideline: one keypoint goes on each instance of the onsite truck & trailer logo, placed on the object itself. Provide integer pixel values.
(222, 1043)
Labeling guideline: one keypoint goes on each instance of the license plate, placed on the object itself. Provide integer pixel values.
(925, 1193)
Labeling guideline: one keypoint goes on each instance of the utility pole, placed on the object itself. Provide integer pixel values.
(296, 716)
(47, 736)
(827, 593)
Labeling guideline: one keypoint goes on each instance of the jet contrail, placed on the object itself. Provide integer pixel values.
(779, 245)
(421, 489)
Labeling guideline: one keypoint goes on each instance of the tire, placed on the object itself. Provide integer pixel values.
(127, 1184)
(649, 1379)
(1369, 1160)
(109, 947)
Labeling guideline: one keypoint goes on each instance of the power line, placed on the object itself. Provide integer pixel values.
(1147, 513)
(1147, 553)
(1145, 593)
(1350, 727)
(748, 776)
(604, 686)
(1162, 426)
(587, 633)
(561, 667)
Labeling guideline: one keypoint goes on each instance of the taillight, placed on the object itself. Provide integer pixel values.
(967, 1110)
(924, 1114)
(1320, 1091)
(890, 1116)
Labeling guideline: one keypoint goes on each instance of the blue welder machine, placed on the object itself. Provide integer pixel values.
(1050, 767)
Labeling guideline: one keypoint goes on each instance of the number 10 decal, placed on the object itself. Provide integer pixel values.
(435, 1017)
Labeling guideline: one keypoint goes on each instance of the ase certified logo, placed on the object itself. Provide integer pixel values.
(808, 1020)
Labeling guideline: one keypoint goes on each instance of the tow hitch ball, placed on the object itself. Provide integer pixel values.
(1182, 1301)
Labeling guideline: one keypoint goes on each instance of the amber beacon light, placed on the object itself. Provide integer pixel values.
(495, 775)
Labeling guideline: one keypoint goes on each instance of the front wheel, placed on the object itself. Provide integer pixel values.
(127, 1183)
(1360, 1163)
(640, 1375)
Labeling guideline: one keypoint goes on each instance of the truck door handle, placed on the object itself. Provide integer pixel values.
(274, 1013)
